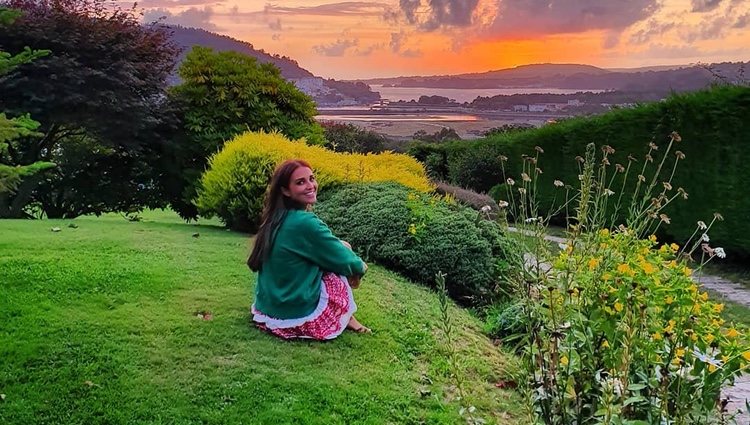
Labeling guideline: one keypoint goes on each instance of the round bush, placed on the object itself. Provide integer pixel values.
(420, 235)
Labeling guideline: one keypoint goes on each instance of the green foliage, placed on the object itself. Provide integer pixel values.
(100, 87)
(228, 93)
(222, 95)
(350, 138)
(419, 236)
(443, 135)
(714, 125)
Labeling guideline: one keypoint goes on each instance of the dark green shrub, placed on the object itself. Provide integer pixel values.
(418, 235)
(715, 129)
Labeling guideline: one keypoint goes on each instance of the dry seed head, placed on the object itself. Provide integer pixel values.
(580, 159)
(525, 177)
(503, 158)
(539, 149)
(607, 149)
(522, 191)
(676, 137)
(649, 158)
(558, 183)
(631, 158)
(667, 185)
(718, 216)
(664, 218)
(605, 161)
(702, 225)
(510, 181)
(502, 204)
(641, 178)
(619, 168)
(679, 154)
(538, 170)
(608, 192)
(653, 146)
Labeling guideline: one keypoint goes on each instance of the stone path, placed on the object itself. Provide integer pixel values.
(727, 290)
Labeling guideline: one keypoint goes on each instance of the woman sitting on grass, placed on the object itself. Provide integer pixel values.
(305, 274)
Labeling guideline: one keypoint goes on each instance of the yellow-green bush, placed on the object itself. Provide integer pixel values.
(234, 184)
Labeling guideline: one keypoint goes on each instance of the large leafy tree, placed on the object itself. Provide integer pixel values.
(13, 129)
(98, 97)
(224, 94)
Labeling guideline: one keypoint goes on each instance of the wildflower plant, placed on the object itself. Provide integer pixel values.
(617, 329)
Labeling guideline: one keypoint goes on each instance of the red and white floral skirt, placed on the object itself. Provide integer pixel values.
(327, 321)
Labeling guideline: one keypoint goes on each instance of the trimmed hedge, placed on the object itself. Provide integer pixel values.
(418, 235)
(234, 185)
(715, 129)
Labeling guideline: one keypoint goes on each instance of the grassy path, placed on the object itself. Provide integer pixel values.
(98, 324)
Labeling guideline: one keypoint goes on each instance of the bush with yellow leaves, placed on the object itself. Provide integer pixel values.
(234, 185)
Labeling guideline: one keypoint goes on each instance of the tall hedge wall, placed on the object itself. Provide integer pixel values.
(715, 129)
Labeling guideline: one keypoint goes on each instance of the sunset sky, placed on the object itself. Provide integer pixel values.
(360, 39)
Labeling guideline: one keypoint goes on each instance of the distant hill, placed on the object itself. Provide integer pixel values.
(579, 77)
(323, 91)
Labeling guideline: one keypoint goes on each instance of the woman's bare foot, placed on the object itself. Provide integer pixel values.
(358, 327)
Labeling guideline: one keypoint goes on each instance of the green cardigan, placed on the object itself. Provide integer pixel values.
(288, 285)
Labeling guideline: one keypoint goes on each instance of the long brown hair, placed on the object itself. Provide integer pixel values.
(275, 208)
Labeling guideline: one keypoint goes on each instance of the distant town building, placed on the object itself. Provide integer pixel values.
(520, 108)
(546, 107)
(575, 102)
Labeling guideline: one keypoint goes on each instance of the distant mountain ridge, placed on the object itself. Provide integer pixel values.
(578, 77)
(323, 91)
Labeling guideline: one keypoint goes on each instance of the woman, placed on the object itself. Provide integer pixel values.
(304, 272)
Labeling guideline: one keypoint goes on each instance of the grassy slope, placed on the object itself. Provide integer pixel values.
(98, 325)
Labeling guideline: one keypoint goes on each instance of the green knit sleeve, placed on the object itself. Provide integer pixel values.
(326, 250)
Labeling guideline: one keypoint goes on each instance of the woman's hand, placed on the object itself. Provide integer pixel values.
(346, 244)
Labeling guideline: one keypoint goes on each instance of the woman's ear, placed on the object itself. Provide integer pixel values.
(286, 192)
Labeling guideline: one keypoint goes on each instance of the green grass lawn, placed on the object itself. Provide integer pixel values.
(98, 324)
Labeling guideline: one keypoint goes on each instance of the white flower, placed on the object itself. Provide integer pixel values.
(522, 191)
(510, 181)
(486, 209)
(705, 358)
(530, 220)
(719, 252)
(558, 183)
(502, 204)
(702, 225)
(562, 246)
(705, 238)
(608, 192)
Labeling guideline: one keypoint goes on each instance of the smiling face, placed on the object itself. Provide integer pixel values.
(303, 188)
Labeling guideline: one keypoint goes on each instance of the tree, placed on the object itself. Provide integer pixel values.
(11, 130)
(99, 91)
(350, 138)
(224, 94)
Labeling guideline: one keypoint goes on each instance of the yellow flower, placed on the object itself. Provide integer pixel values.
(647, 268)
(672, 264)
(718, 308)
(746, 356)
(674, 247)
(732, 333)
(656, 336)
(652, 238)
(696, 309)
(564, 360)
(687, 271)
(693, 288)
(703, 296)
(711, 368)
(694, 337)
(680, 353)
(606, 277)
(724, 359)
(618, 306)
(604, 232)
(669, 299)
(593, 263)
(709, 338)
(605, 344)
(625, 269)
(413, 229)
